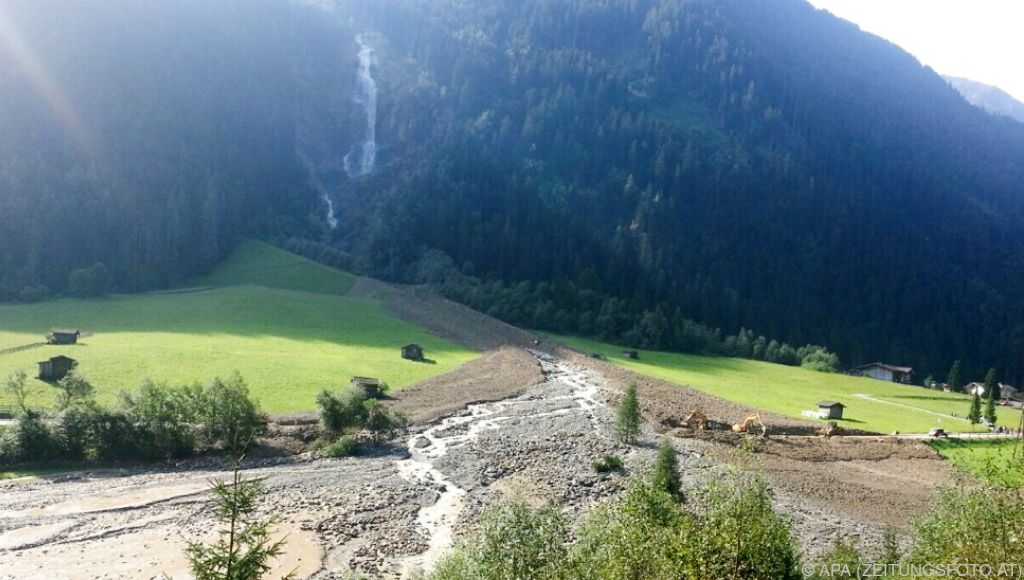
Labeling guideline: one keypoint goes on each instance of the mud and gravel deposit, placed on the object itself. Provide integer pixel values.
(515, 424)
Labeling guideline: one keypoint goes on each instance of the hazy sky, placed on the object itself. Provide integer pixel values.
(982, 40)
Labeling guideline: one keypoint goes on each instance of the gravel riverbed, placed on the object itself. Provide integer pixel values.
(386, 515)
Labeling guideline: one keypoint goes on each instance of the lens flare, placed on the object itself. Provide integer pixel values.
(22, 56)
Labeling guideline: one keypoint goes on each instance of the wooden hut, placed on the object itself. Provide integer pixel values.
(830, 410)
(56, 368)
(63, 336)
(412, 352)
(374, 388)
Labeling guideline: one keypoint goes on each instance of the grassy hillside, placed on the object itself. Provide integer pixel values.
(264, 265)
(790, 390)
(288, 344)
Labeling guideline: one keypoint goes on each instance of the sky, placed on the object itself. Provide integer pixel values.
(982, 40)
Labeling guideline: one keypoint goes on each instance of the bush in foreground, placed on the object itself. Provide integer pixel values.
(645, 534)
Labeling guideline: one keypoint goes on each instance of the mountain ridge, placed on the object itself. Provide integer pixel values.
(988, 97)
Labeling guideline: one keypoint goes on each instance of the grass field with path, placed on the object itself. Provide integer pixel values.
(251, 316)
(790, 390)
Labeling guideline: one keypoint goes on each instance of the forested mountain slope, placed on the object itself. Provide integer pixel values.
(610, 167)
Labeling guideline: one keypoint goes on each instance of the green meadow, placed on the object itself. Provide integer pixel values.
(998, 460)
(281, 321)
(789, 390)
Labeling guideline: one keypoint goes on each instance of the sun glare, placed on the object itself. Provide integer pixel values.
(22, 56)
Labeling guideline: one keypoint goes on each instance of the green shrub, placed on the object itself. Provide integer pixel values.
(741, 534)
(16, 386)
(643, 534)
(521, 542)
(843, 560)
(29, 439)
(354, 410)
(345, 446)
(163, 417)
(73, 389)
(608, 463)
(979, 525)
(339, 413)
(225, 414)
(381, 422)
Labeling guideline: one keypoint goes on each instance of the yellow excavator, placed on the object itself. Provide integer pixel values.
(696, 420)
(751, 420)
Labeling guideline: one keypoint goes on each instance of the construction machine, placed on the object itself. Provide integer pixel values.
(696, 420)
(751, 420)
(831, 429)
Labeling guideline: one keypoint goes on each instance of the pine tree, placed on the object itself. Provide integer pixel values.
(628, 426)
(666, 470)
(954, 378)
(974, 416)
(243, 547)
(990, 410)
(992, 385)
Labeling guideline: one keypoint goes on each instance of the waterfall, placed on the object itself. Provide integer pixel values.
(322, 161)
(366, 95)
(332, 221)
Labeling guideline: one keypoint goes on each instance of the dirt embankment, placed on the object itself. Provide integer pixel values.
(495, 376)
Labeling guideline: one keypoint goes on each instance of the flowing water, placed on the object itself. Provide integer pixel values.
(366, 96)
(437, 521)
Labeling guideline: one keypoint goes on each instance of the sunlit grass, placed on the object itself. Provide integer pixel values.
(789, 390)
(997, 460)
(287, 344)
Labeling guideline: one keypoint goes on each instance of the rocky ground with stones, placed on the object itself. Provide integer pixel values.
(512, 424)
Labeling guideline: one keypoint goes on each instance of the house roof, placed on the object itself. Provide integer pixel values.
(892, 368)
(56, 330)
(366, 380)
(57, 358)
(1002, 386)
(830, 404)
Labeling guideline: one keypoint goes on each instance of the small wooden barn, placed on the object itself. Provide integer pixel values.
(412, 352)
(56, 368)
(63, 336)
(830, 410)
(374, 388)
(631, 354)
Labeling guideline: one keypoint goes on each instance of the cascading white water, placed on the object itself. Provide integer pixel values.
(366, 95)
(361, 157)
(438, 521)
(332, 221)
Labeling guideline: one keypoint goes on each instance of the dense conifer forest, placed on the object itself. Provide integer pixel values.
(646, 171)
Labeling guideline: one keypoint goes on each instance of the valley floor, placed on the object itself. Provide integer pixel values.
(534, 424)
